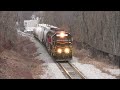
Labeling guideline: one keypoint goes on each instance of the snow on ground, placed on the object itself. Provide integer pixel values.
(21, 33)
(115, 72)
(51, 69)
(27, 29)
(90, 71)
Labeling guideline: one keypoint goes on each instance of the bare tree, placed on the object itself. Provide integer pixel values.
(8, 33)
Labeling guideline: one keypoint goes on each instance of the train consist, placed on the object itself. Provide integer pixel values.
(57, 41)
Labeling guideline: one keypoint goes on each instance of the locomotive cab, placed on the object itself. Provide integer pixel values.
(62, 45)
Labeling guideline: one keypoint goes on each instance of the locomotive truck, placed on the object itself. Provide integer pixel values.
(57, 41)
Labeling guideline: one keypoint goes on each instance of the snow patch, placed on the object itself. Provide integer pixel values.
(115, 72)
(90, 71)
(27, 29)
(21, 33)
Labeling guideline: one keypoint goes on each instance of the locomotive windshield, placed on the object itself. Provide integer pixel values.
(62, 39)
(65, 39)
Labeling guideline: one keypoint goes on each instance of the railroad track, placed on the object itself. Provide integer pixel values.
(71, 71)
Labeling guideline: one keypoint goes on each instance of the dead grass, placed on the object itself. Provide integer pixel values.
(20, 62)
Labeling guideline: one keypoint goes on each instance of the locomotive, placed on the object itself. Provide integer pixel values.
(57, 41)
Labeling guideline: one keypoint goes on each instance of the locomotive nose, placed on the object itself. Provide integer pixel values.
(67, 50)
(59, 50)
(63, 50)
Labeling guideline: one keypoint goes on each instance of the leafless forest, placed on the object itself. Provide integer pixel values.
(8, 27)
(97, 29)
(17, 59)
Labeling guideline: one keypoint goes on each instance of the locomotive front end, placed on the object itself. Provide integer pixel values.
(62, 45)
(63, 52)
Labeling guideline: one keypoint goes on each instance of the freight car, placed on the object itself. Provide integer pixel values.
(57, 41)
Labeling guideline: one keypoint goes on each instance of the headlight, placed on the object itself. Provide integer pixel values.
(59, 50)
(67, 50)
(62, 34)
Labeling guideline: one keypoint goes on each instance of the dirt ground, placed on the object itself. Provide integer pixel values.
(20, 62)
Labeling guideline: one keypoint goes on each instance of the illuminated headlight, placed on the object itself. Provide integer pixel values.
(59, 50)
(67, 50)
(62, 34)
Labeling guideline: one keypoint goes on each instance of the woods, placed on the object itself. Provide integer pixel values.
(8, 33)
(99, 29)
(8, 27)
